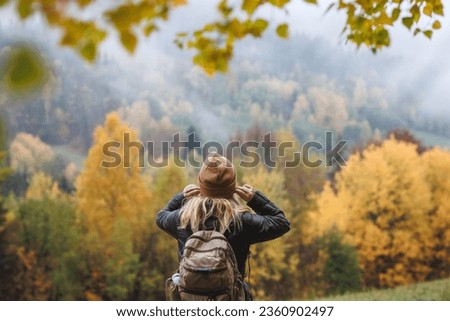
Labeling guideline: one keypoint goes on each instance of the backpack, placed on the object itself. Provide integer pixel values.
(208, 269)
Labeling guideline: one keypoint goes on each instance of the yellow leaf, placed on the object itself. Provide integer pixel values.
(428, 9)
(250, 5)
(384, 19)
(89, 51)
(149, 29)
(179, 2)
(128, 40)
(428, 34)
(84, 3)
(436, 25)
(283, 31)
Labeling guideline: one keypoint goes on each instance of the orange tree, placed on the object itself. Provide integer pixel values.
(390, 203)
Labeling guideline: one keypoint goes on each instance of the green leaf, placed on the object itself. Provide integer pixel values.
(438, 9)
(330, 7)
(395, 14)
(23, 70)
(283, 31)
(89, 51)
(383, 38)
(312, 1)
(128, 40)
(179, 43)
(149, 29)
(24, 8)
(408, 22)
(279, 3)
(3, 2)
(428, 34)
(250, 6)
(415, 11)
(418, 30)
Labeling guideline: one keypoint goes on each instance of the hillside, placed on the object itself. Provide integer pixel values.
(438, 290)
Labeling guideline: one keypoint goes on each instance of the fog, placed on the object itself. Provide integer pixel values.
(413, 72)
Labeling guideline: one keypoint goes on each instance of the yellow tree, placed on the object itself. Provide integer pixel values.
(381, 202)
(113, 202)
(437, 170)
(107, 191)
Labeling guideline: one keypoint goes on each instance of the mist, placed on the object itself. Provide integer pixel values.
(408, 79)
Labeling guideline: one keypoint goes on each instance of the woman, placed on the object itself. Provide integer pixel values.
(213, 205)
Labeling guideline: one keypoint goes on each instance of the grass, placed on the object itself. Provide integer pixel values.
(438, 290)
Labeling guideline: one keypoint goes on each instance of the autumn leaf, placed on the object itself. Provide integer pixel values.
(283, 31)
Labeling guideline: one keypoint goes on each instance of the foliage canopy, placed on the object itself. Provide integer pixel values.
(367, 23)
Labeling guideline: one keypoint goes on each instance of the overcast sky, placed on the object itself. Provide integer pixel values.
(425, 64)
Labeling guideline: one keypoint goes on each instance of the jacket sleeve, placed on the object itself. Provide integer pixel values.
(167, 218)
(268, 223)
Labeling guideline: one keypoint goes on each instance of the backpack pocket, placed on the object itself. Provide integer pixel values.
(202, 279)
(187, 295)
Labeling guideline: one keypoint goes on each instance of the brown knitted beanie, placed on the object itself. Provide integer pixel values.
(217, 177)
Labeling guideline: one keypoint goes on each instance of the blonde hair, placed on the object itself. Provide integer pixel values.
(198, 209)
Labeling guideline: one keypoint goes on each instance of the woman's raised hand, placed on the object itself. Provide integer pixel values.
(246, 192)
(191, 190)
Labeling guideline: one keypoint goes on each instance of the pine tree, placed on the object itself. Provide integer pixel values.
(341, 271)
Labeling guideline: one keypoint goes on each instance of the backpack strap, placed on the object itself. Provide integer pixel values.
(249, 270)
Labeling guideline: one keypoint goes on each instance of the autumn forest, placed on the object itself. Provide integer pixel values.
(71, 229)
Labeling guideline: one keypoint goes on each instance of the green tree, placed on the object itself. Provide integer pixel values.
(121, 266)
(301, 182)
(6, 227)
(160, 258)
(341, 271)
(49, 253)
